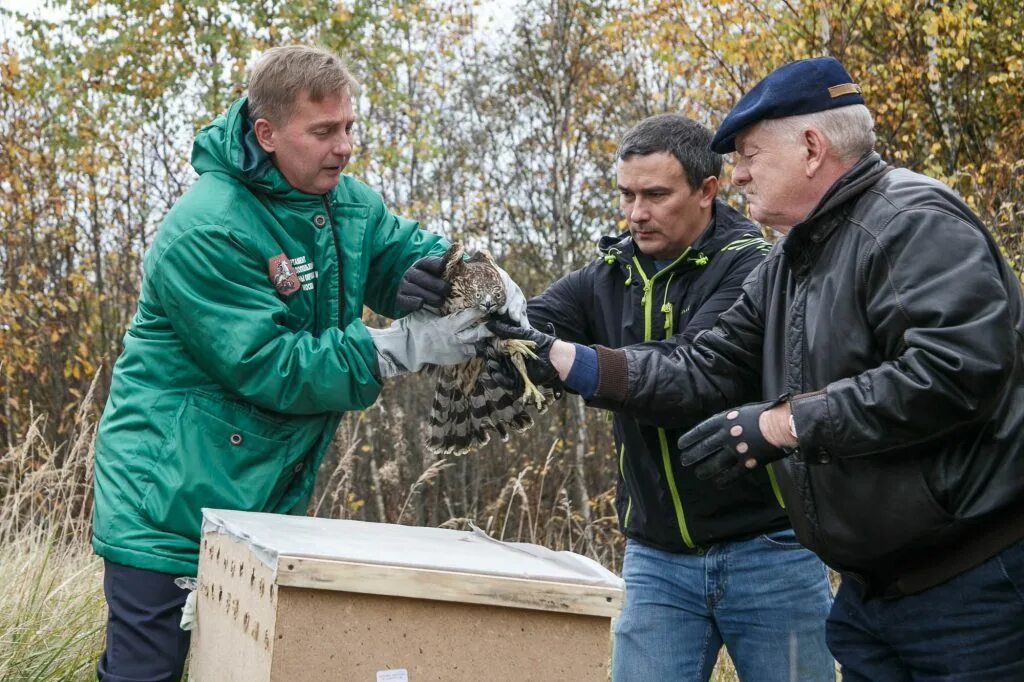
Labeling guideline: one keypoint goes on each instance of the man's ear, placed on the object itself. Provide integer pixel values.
(816, 147)
(265, 135)
(708, 191)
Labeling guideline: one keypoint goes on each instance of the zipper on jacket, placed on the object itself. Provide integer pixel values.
(337, 255)
(667, 308)
(666, 456)
(668, 312)
(775, 486)
(622, 472)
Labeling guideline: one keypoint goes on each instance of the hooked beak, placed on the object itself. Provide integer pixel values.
(488, 304)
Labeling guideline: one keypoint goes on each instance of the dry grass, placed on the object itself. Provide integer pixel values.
(51, 610)
(51, 597)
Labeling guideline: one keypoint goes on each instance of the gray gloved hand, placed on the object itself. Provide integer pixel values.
(423, 338)
(515, 301)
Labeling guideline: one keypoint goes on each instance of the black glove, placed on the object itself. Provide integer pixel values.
(500, 368)
(539, 369)
(724, 444)
(422, 286)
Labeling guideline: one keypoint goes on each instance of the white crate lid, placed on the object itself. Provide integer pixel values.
(373, 557)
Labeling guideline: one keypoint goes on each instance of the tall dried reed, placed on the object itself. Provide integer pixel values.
(51, 600)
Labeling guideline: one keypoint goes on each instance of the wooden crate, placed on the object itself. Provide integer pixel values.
(302, 599)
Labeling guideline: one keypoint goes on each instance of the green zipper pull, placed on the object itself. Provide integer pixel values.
(647, 292)
(666, 307)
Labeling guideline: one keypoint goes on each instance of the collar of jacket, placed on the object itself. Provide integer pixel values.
(228, 145)
(621, 248)
(831, 210)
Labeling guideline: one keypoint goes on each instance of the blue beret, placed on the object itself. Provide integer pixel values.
(801, 87)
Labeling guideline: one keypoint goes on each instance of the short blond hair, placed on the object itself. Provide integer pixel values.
(282, 73)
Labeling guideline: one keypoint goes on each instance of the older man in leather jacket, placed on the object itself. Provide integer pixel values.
(877, 358)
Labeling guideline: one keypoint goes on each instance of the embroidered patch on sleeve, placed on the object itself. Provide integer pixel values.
(283, 275)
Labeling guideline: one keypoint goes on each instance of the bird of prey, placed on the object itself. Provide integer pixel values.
(468, 405)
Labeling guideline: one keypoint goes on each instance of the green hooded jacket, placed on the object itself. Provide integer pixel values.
(246, 348)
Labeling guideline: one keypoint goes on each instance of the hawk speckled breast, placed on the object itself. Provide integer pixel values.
(468, 405)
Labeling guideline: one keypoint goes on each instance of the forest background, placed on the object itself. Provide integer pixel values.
(501, 136)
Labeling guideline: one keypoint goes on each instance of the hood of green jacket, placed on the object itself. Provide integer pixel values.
(228, 145)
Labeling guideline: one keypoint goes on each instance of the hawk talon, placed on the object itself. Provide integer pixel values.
(517, 348)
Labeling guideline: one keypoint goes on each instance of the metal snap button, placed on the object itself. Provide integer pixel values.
(236, 439)
(824, 457)
(298, 467)
(319, 220)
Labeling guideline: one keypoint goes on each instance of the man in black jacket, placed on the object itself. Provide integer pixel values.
(884, 339)
(703, 566)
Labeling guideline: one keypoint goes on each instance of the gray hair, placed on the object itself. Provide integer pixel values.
(283, 73)
(850, 129)
(685, 139)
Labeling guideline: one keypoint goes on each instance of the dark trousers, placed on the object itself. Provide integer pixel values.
(969, 629)
(144, 640)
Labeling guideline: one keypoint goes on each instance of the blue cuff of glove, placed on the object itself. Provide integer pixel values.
(583, 374)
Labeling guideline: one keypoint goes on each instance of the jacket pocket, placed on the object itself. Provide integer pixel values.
(876, 508)
(780, 539)
(218, 454)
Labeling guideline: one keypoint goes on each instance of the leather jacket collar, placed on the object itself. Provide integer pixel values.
(826, 216)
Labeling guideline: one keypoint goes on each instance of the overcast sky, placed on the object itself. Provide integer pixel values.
(494, 15)
(23, 5)
(500, 12)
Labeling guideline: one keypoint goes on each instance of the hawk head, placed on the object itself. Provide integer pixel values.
(475, 281)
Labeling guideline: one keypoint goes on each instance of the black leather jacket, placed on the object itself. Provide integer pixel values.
(894, 321)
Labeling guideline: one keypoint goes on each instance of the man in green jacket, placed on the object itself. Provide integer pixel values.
(247, 345)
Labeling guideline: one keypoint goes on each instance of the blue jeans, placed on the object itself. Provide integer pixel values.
(766, 599)
(970, 628)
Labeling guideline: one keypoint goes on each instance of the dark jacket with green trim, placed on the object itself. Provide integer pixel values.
(246, 348)
(620, 299)
(893, 318)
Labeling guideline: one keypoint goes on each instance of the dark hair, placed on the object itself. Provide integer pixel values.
(684, 138)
